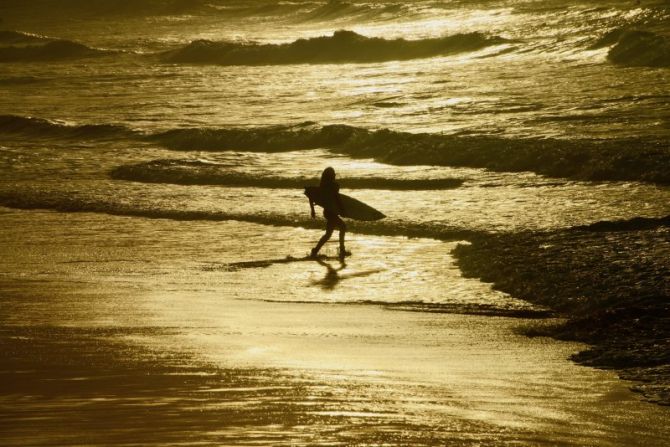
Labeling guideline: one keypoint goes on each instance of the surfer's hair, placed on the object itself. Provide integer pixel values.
(327, 176)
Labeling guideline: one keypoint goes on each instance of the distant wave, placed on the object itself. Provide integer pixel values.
(341, 47)
(17, 37)
(306, 135)
(17, 80)
(101, 8)
(50, 51)
(599, 160)
(641, 48)
(38, 127)
(608, 39)
(263, 10)
(583, 159)
(387, 104)
(336, 9)
(142, 7)
(303, 10)
(193, 172)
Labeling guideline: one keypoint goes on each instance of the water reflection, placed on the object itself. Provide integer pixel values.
(137, 333)
(333, 276)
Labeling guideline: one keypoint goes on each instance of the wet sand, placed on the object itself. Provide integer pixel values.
(614, 282)
(126, 331)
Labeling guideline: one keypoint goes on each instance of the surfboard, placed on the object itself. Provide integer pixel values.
(353, 208)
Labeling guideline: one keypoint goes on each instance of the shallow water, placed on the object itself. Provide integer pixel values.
(239, 345)
(52, 176)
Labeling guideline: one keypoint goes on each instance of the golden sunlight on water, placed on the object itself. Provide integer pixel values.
(240, 346)
(156, 283)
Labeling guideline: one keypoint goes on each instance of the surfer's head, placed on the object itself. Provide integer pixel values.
(328, 176)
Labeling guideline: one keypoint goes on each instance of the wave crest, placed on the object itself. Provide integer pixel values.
(608, 39)
(342, 47)
(579, 159)
(50, 51)
(193, 172)
(38, 127)
(641, 48)
(306, 135)
(635, 159)
(18, 37)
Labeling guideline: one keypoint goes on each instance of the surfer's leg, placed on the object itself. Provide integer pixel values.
(343, 229)
(329, 232)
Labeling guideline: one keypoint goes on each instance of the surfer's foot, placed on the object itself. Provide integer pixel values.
(344, 253)
(314, 253)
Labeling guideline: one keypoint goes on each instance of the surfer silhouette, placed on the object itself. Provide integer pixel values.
(329, 191)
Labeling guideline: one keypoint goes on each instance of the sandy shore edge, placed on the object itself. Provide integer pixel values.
(610, 279)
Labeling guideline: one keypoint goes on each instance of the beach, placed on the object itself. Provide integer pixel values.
(614, 287)
(205, 354)
(156, 283)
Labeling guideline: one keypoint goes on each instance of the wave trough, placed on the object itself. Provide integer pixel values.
(194, 172)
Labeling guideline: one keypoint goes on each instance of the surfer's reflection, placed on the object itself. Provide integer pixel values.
(329, 199)
(330, 280)
(333, 277)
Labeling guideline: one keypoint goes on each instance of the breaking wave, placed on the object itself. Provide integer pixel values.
(38, 127)
(608, 39)
(632, 159)
(17, 37)
(50, 51)
(194, 172)
(635, 48)
(306, 135)
(342, 47)
(635, 159)
(641, 48)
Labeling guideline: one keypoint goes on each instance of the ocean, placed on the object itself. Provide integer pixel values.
(153, 156)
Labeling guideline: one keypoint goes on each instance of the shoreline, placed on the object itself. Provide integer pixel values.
(611, 280)
(100, 346)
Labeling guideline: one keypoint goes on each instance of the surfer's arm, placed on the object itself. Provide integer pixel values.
(311, 206)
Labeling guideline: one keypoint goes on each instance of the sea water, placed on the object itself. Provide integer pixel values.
(214, 113)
